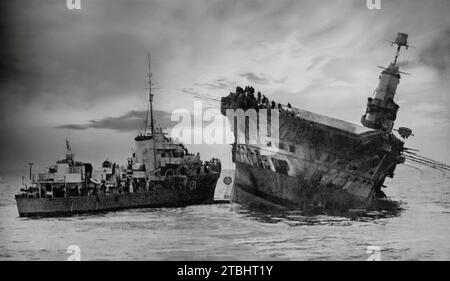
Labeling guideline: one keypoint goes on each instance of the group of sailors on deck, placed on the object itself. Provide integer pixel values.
(246, 98)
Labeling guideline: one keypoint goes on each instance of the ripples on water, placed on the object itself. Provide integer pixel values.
(232, 232)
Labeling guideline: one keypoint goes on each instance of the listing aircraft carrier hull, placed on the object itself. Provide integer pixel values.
(316, 162)
(196, 190)
(257, 187)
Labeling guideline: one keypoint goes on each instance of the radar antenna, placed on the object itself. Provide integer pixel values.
(400, 40)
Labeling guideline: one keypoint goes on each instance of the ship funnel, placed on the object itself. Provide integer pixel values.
(381, 110)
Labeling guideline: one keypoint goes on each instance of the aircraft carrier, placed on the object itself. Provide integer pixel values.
(310, 161)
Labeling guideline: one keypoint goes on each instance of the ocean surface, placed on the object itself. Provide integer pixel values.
(232, 232)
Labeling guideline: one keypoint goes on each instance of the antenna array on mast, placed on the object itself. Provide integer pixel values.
(400, 40)
(150, 101)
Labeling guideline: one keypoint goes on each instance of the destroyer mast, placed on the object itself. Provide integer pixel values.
(150, 101)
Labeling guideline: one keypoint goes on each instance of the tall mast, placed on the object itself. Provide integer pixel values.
(150, 100)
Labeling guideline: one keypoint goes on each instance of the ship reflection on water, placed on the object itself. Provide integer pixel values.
(296, 218)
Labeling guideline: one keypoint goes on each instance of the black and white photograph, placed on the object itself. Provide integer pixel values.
(225, 131)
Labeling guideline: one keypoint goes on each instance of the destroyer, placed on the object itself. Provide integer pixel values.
(160, 173)
(314, 161)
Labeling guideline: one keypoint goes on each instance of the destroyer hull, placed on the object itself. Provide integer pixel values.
(198, 190)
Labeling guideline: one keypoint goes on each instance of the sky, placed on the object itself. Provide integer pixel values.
(81, 74)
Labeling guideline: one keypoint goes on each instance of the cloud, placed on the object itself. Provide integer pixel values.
(315, 62)
(83, 69)
(261, 78)
(130, 121)
(217, 84)
(256, 78)
(74, 126)
(437, 54)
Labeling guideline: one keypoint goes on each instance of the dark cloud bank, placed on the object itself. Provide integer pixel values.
(130, 121)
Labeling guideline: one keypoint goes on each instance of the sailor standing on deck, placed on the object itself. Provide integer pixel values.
(130, 187)
(103, 187)
(147, 185)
